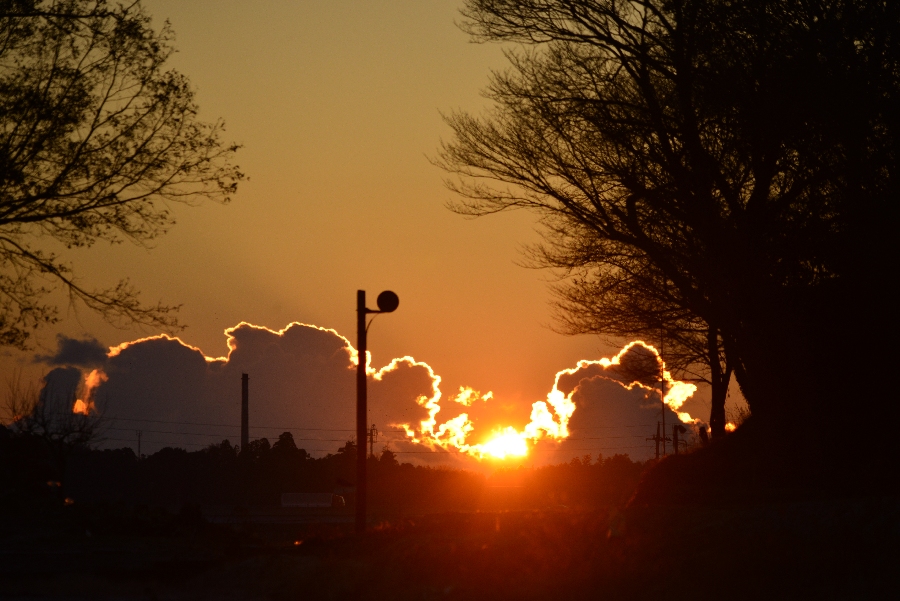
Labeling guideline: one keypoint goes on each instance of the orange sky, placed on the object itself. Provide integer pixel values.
(338, 105)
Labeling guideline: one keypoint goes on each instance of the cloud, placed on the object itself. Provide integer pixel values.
(303, 380)
(60, 388)
(77, 353)
(610, 419)
(637, 368)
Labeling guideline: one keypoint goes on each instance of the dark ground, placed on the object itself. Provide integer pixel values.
(829, 549)
(749, 517)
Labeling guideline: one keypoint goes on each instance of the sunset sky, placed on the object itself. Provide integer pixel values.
(338, 107)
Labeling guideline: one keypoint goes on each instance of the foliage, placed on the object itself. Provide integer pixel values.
(97, 140)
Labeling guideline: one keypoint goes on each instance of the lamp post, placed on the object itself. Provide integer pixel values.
(387, 302)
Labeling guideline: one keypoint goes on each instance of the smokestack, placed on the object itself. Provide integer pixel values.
(245, 411)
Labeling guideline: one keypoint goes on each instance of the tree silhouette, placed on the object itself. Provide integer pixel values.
(48, 419)
(627, 297)
(745, 150)
(285, 445)
(97, 139)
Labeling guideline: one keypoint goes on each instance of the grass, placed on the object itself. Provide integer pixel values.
(835, 549)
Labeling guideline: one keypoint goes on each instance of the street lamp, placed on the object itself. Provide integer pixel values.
(387, 303)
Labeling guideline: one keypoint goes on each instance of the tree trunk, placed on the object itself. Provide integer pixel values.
(719, 382)
(717, 410)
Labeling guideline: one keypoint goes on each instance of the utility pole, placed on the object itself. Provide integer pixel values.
(387, 302)
(373, 435)
(662, 391)
(245, 412)
(362, 413)
(139, 433)
(658, 438)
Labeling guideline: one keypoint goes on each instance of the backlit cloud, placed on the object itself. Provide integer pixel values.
(88, 352)
(302, 380)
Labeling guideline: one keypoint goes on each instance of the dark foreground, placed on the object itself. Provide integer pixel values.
(835, 549)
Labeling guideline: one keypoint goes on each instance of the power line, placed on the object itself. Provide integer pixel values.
(219, 434)
(620, 426)
(198, 444)
(297, 428)
(590, 449)
(159, 421)
(602, 437)
(531, 451)
(441, 452)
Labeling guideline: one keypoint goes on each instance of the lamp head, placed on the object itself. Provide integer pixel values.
(388, 301)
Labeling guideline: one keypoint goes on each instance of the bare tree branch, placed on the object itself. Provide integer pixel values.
(97, 139)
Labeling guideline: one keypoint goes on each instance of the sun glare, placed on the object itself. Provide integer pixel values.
(506, 443)
(92, 380)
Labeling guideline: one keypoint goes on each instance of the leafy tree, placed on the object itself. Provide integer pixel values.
(746, 151)
(97, 140)
(285, 445)
(257, 450)
(388, 457)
